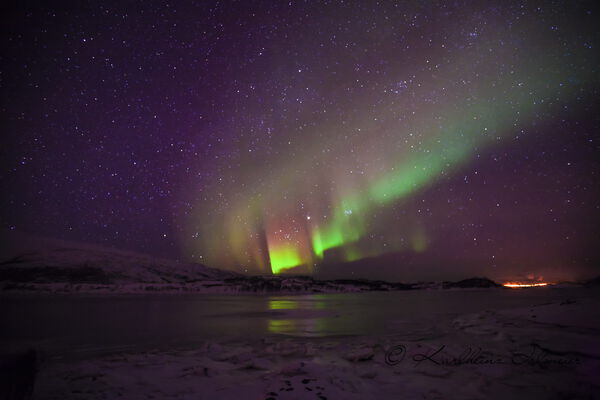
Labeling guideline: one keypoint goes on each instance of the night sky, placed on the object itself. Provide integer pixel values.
(395, 140)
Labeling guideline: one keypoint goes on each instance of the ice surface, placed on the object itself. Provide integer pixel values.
(541, 351)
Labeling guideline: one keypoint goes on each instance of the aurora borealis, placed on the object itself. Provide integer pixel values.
(394, 140)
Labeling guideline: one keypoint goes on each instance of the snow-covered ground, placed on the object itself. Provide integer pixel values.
(548, 351)
(496, 346)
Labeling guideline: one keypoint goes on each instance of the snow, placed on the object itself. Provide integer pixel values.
(487, 354)
(549, 351)
(30, 264)
(43, 261)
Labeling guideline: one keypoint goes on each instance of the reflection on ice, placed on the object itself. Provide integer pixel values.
(305, 323)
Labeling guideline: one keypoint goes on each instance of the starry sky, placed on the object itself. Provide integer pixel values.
(386, 140)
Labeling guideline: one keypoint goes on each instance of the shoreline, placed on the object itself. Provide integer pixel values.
(535, 351)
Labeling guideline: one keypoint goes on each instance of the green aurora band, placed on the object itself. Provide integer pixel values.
(275, 235)
(452, 146)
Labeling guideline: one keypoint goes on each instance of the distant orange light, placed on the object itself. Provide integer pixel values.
(519, 285)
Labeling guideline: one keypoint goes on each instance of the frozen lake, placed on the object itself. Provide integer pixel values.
(69, 326)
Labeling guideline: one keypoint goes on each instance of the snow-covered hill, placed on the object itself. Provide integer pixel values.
(79, 265)
(29, 263)
(25, 259)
